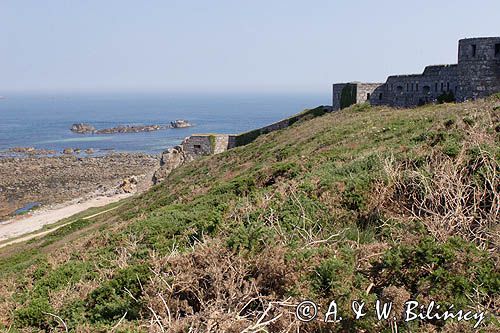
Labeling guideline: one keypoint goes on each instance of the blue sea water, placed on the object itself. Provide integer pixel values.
(44, 121)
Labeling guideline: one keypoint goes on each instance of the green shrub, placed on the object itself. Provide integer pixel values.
(111, 300)
(35, 314)
(450, 271)
(446, 97)
(251, 237)
(336, 276)
(241, 186)
(469, 121)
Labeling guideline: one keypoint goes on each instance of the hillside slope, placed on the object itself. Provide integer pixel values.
(361, 204)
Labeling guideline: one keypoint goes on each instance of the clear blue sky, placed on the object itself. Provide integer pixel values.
(228, 45)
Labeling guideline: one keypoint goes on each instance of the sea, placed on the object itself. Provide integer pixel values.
(43, 121)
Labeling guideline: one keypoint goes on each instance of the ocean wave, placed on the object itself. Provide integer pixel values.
(82, 139)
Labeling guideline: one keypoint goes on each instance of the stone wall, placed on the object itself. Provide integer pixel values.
(247, 137)
(365, 91)
(197, 145)
(207, 144)
(418, 89)
(337, 95)
(479, 67)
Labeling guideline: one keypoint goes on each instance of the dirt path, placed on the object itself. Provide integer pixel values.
(20, 226)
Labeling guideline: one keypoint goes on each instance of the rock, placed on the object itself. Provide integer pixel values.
(134, 180)
(22, 150)
(180, 123)
(68, 151)
(83, 128)
(130, 129)
(31, 151)
(89, 151)
(89, 129)
(129, 185)
(170, 159)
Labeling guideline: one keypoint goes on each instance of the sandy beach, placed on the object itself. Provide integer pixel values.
(37, 220)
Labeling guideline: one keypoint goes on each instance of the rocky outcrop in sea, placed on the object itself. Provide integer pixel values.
(84, 128)
(180, 123)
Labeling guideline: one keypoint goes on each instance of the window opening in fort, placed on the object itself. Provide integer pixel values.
(474, 49)
(497, 50)
(407, 87)
(442, 86)
(448, 86)
(427, 89)
(436, 88)
(416, 86)
(197, 146)
(380, 97)
(368, 96)
(399, 89)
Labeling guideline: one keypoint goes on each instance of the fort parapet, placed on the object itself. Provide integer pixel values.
(476, 75)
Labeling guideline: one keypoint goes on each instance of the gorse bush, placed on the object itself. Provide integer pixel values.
(119, 296)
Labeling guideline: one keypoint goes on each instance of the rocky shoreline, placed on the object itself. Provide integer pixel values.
(48, 180)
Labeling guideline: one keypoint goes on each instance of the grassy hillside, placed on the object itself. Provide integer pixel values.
(362, 204)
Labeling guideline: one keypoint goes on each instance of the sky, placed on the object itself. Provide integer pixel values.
(228, 45)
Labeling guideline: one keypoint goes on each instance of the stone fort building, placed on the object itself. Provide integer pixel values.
(476, 75)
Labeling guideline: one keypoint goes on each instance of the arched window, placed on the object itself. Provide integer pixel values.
(427, 89)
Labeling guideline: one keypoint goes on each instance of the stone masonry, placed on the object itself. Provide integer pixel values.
(476, 75)
(207, 144)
